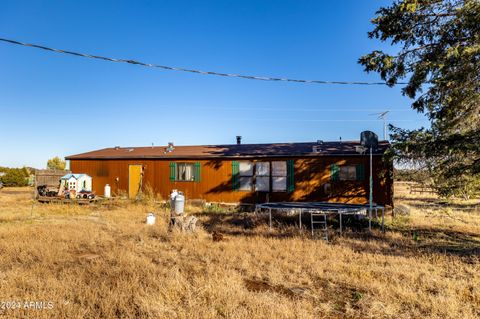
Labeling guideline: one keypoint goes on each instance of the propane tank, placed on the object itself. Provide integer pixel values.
(106, 191)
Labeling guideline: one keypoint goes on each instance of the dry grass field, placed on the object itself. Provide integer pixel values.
(104, 262)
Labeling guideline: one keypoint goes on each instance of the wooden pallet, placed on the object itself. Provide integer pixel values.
(61, 200)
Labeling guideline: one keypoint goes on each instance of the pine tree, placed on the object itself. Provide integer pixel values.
(439, 56)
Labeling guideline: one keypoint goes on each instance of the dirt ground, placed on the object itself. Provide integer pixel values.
(103, 261)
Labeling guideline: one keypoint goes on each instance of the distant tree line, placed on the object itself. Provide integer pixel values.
(17, 177)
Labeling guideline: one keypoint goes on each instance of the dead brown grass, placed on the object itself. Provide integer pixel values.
(104, 262)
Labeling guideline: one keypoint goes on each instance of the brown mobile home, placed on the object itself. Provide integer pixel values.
(244, 173)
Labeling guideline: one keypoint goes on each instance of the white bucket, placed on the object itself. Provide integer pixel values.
(106, 191)
(150, 219)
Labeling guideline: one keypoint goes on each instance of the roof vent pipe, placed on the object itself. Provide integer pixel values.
(239, 140)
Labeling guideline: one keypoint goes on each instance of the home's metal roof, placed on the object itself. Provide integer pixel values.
(232, 151)
(76, 176)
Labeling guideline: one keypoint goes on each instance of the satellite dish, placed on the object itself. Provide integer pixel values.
(369, 139)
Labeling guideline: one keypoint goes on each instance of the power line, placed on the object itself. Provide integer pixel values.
(260, 108)
(318, 120)
(279, 109)
(249, 77)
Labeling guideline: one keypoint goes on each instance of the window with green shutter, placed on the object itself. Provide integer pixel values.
(360, 172)
(197, 172)
(334, 172)
(290, 176)
(235, 177)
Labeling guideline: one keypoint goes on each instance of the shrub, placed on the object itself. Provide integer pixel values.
(15, 177)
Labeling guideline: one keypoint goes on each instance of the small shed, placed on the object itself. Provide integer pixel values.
(77, 182)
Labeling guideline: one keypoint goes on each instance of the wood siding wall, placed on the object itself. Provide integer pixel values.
(310, 175)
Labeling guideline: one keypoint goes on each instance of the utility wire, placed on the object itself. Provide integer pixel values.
(279, 109)
(316, 120)
(249, 108)
(249, 77)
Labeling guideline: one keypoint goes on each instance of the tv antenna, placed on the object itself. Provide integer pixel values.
(383, 116)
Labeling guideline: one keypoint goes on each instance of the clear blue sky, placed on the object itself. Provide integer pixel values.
(52, 104)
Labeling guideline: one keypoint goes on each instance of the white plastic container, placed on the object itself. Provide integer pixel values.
(151, 219)
(106, 191)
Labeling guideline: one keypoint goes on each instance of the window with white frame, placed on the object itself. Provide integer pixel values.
(185, 172)
(279, 176)
(348, 173)
(245, 172)
(262, 176)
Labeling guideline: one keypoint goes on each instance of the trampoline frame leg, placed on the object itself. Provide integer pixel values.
(300, 219)
(383, 220)
(340, 218)
(270, 218)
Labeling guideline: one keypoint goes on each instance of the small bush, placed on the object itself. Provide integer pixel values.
(15, 177)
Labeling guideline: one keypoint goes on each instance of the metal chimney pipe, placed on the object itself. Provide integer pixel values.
(239, 140)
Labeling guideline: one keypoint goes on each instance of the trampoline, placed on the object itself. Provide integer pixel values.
(321, 209)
